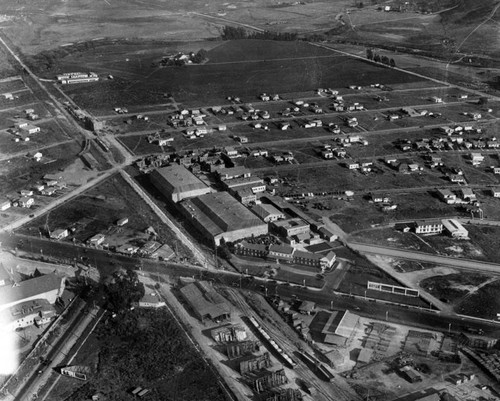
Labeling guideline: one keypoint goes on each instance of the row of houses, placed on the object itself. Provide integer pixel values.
(286, 254)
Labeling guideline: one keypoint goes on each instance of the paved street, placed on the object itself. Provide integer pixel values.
(467, 264)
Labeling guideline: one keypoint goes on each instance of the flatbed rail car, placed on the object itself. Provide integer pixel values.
(283, 356)
(318, 367)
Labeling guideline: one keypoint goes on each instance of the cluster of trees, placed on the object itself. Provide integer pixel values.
(124, 289)
(372, 55)
(200, 57)
(232, 33)
(147, 348)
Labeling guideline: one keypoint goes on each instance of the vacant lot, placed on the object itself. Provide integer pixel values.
(484, 303)
(23, 172)
(452, 287)
(97, 210)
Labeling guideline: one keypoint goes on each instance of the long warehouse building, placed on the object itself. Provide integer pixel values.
(220, 216)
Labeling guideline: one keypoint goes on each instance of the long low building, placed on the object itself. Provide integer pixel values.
(455, 228)
(176, 183)
(220, 216)
(205, 302)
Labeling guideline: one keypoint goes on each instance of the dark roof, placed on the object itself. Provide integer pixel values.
(205, 301)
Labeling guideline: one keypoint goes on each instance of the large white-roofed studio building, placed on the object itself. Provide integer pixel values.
(220, 216)
(176, 183)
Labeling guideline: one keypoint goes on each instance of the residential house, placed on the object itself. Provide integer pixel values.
(48, 191)
(26, 192)
(495, 170)
(60, 233)
(467, 194)
(339, 152)
(458, 178)
(26, 202)
(495, 192)
(476, 158)
(97, 239)
(122, 221)
(352, 165)
(428, 227)
(4, 205)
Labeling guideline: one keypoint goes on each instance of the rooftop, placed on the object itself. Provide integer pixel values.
(180, 178)
(29, 288)
(220, 212)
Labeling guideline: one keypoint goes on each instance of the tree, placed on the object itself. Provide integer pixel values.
(369, 54)
(376, 58)
(124, 289)
(482, 100)
(392, 63)
(385, 60)
(200, 57)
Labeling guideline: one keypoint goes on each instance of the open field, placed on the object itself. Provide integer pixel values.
(23, 172)
(97, 210)
(483, 303)
(453, 287)
(212, 82)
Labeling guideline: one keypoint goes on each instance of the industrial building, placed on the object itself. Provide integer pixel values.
(268, 212)
(291, 227)
(205, 302)
(48, 287)
(336, 328)
(455, 228)
(28, 313)
(176, 183)
(219, 216)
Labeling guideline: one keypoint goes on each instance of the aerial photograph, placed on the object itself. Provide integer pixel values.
(250, 200)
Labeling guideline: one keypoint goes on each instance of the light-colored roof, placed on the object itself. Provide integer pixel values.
(265, 210)
(285, 249)
(220, 212)
(29, 288)
(179, 178)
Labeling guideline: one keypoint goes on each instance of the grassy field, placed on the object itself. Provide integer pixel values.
(255, 67)
(23, 172)
(453, 287)
(141, 348)
(484, 303)
(98, 209)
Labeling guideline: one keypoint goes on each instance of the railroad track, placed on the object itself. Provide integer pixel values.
(330, 391)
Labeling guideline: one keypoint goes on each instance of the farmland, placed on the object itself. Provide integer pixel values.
(197, 85)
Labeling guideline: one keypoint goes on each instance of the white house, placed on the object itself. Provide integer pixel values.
(26, 202)
(4, 205)
(60, 233)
